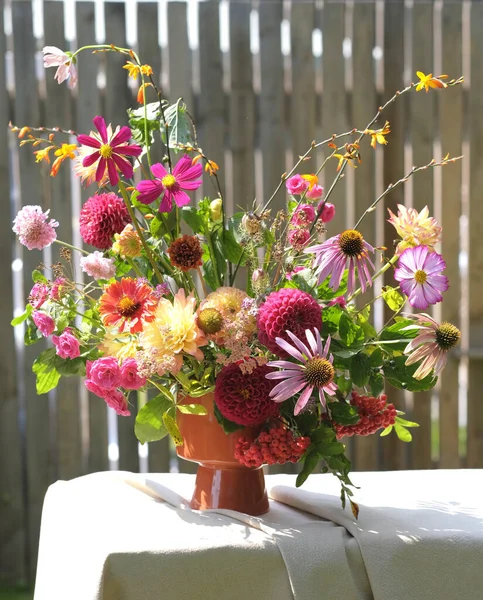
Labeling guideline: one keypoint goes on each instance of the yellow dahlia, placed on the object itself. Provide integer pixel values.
(415, 228)
(119, 345)
(127, 243)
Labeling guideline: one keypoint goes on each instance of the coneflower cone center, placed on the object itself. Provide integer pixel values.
(351, 243)
(420, 276)
(210, 320)
(127, 307)
(168, 181)
(105, 151)
(318, 372)
(447, 336)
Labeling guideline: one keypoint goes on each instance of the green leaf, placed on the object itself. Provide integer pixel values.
(193, 219)
(360, 369)
(44, 368)
(192, 409)
(179, 125)
(38, 277)
(325, 449)
(343, 413)
(324, 433)
(149, 425)
(303, 280)
(231, 249)
(21, 318)
(350, 333)
(376, 358)
(397, 331)
(344, 384)
(138, 123)
(401, 376)
(68, 366)
(402, 433)
(376, 383)
(325, 292)
(330, 319)
(228, 426)
(393, 298)
(387, 431)
(310, 463)
(405, 423)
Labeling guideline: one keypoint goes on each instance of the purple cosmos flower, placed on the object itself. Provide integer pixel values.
(331, 259)
(316, 370)
(110, 151)
(184, 177)
(419, 273)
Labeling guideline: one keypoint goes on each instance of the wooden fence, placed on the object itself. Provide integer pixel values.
(263, 79)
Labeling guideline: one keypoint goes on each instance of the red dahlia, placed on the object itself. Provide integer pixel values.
(288, 309)
(101, 217)
(244, 398)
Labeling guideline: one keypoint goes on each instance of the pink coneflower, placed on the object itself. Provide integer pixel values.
(55, 57)
(331, 259)
(33, 227)
(419, 273)
(315, 372)
(184, 177)
(110, 151)
(431, 344)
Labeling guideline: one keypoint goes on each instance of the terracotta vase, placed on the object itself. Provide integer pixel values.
(221, 481)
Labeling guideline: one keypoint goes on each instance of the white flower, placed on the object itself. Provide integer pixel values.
(66, 69)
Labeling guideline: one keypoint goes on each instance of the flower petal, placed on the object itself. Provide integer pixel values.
(149, 190)
(181, 198)
(158, 170)
(122, 136)
(87, 140)
(304, 398)
(100, 124)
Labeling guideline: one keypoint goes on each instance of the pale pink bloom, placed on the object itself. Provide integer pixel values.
(55, 57)
(116, 400)
(33, 228)
(39, 294)
(328, 212)
(97, 266)
(296, 185)
(315, 192)
(314, 372)
(431, 345)
(419, 273)
(44, 323)
(66, 345)
(104, 372)
(331, 258)
(415, 228)
(304, 215)
(130, 378)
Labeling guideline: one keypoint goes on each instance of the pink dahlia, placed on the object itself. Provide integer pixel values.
(419, 273)
(244, 398)
(110, 151)
(315, 370)
(185, 176)
(288, 309)
(101, 217)
(33, 227)
(331, 258)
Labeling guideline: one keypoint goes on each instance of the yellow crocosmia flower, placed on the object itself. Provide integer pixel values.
(312, 179)
(146, 70)
(43, 154)
(133, 70)
(211, 167)
(428, 81)
(66, 151)
(378, 135)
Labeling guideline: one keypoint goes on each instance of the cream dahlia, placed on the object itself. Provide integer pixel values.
(415, 228)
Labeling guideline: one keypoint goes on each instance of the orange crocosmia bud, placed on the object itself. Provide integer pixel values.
(23, 131)
(211, 167)
(56, 166)
(140, 96)
(196, 158)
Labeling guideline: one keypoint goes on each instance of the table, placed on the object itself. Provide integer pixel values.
(124, 536)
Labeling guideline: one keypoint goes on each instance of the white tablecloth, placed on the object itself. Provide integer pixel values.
(124, 536)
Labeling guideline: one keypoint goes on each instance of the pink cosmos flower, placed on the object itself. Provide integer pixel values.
(110, 151)
(298, 238)
(304, 215)
(331, 259)
(33, 228)
(55, 57)
(66, 345)
(315, 192)
(130, 379)
(38, 294)
(184, 177)
(44, 323)
(431, 345)
(104, 372)
(419, 273)
(296, 185)
(328, 212)
(98, 267)
(314, 372)
(116, 400)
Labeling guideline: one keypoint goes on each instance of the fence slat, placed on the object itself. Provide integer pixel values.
(118, 100)
(89, 105)
(475, 256)
(451, 124)
(58, 113)
(12, 517)
(422, 133)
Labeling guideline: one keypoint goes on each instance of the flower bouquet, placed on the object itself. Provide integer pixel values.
(252, 320)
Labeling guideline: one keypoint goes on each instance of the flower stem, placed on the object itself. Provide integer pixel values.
(61, 243)
(211, 249)
(381, 271)
(134, 267)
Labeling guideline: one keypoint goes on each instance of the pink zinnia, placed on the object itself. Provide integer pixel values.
(55, 57)
(44, 323)
(297, 185)
(101, 217)
(331, 259)
(110, 151)
(314, 372)
(419, 273)
(33, 227)
(97, 266)
(66, 345)
(184, 177)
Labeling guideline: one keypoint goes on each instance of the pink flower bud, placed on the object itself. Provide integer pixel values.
(315, 193)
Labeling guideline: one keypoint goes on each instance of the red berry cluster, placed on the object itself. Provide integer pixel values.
(275, 446)
(374, 413)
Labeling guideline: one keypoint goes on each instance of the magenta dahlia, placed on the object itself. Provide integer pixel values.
(244, 398)
(101, 217)
(288, 309)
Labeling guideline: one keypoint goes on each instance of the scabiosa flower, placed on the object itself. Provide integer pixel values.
(66, 345)
(110, 151)
(127, 243)
(298, 238)
(415, 228)
(431, 345)
(304, 215)
(419, 273)
(288, 309)
(314, 372)
(296, 185)
(185, 176)
(33, 227)
(127, 304)
(98, 267)
(130, 379)
(44, 323)
(185, 253)
(244, 398)
(101, 217)
(66, 69)
(332, 255)
(39, 294)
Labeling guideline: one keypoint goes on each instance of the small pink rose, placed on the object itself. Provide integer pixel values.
(296, 185)
(66, 345)
(298, 238)
(304, 215)
(104, 372)
(315, 193)
(116, 400)
(44, 323)
(328, 212)
(38, 294)
(94, 388)
(130, 380)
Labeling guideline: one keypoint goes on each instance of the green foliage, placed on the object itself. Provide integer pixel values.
(38, 277)
(360, 369)
(401, 375)
(179, 126)
(344, 413)
(350, 333)
(137, 121)
(227, 425)
(376, 383)
(398, 334)
(393, 298)
(45, 371)
(330, 319)
(193, 218)
(149, 425)
(192, 409)
(21, 318)
(326, 293)
(400, 427)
